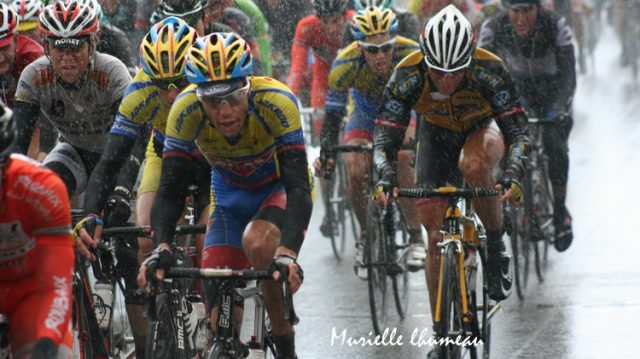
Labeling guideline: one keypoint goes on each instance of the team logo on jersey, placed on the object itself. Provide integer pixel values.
(501, 98)
(394, 107)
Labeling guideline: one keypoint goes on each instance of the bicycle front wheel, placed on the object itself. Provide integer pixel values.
(162, 332)
(542, 196)
(337, 202)
(450, 325)
(398, 245)
(375, 261)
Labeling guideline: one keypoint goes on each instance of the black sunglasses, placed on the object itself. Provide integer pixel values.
(375, 48)
(522, 9)
(170, 84)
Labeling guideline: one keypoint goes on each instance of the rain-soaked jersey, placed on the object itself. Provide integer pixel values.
(33, 204)
(82, 116)
(350, 71)
(251, 161)
(140, 105)
(487, 91)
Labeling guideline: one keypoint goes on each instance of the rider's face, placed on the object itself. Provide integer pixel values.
(523, 19)
(70, 64)
(7, 56)
(446, 82)
(227, 116)
(378, 58)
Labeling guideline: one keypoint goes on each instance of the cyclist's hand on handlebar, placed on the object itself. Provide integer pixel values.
(86, 235)
(153, 268)
(510, 184)
(286, 264)
(385, 191)
(324, 165)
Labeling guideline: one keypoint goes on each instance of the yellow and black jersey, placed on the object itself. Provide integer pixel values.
(487, 91)
(350, 71)
(250, 161)
(140, 105)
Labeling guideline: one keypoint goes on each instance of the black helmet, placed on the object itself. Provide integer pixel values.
(330, 7)
(180, 8)
(8, 133)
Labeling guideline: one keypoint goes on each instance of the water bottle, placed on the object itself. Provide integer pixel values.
(201, 330)
(103, 303)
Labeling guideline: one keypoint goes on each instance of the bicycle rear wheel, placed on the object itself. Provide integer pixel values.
(376, 263)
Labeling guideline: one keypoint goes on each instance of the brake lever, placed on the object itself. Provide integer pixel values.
(289, 311)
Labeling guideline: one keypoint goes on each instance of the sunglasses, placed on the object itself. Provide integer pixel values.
(440, 73)
(171, 84)
(375, 48)
(232, 99)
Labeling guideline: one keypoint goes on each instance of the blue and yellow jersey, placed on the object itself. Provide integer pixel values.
(141, 104)
(350, 71)
(251, 160)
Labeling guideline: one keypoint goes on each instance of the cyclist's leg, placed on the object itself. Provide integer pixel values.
(481, 154)
(66, 161)
(556, 147)
(260, 241)
(436, 165)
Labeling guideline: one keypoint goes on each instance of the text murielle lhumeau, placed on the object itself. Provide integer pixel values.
(391, 337)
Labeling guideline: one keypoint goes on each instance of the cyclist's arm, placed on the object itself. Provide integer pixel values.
(48, 136)
(486, 38)
(299, 55)
(55, 258)
(171, 195)
(295, 177)
(25, 116)
(103, 178)
(566, 78)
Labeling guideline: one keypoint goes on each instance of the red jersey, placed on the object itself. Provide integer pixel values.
(309, 35)
(36, 252)
(27, 51)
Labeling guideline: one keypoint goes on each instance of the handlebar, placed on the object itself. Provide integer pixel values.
(140, 231)
(246, 274)
(448, 192)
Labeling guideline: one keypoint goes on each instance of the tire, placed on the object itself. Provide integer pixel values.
(450, 310)
(375, 261)
(543, 211)
(337, 203)
(520, 239)
(400, 279)
(162, 332)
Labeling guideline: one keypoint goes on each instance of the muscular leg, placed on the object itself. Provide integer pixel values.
(358, 169)
(480, 155)
(260, 240)
(431, 213)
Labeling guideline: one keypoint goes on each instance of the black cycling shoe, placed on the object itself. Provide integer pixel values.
(327, 228)
(285, 346)
(499, 275)
(564, 233)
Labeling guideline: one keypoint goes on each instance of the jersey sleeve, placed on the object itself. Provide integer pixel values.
(299, 56)
(185, 121)
(27, 90)
(137, 107)
(119, 79)
(280, 107)
(341, 77)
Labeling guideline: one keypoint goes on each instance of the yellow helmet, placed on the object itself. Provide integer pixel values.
(217, 57)
(164, 49)
(372, 21)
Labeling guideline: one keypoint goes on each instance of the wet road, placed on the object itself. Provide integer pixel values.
(587, 306)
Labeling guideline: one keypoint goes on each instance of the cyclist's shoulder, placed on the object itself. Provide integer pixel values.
(27, 48)
(488, 70)
(267, 90)
(140, 93)
(405, 46)
(410, 62)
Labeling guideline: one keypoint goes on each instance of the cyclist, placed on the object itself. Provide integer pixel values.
(222, 12)
(249, 130)
(321, 33)
(260, 29)
(28, 12)
(191, 11)
(462, 92)
(408, 23)
(537, 46)
(36, 253)
(363, 68)
(16, 52)
(147, 99)
(78, 90)
(111, 39)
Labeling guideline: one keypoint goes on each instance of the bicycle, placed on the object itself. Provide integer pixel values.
(336, 204)
(226, 342)
(533, 221)
(100, 333)
(457, 322)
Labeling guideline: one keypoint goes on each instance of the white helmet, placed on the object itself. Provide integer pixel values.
(447, 40)
(27, 10)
